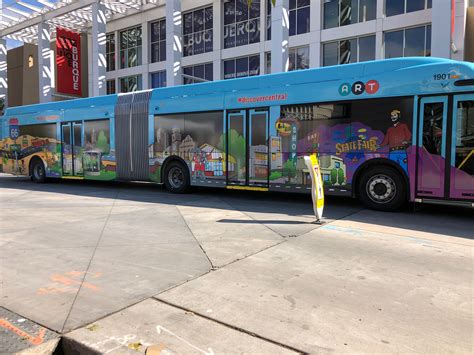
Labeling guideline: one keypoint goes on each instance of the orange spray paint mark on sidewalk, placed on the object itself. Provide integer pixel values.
(35, 340)
(62, 283)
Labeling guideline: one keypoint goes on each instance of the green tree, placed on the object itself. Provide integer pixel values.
(340, 177)
(101, 143)
(289, 169)
(236, 147)
(333, 176)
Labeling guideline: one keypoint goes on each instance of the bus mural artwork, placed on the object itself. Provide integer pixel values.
(385, 132)
(397, 138)
(98, 156)
(33, 141)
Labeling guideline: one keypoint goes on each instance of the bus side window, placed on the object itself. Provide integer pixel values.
(465, 137)
(433, 127)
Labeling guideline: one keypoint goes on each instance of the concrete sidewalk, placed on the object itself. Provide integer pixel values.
(120, 268)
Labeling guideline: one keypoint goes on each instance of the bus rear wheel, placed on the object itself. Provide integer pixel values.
(382, 188)
(176, 177)
(38, 172)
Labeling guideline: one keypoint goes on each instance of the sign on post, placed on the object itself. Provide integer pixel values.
(317, 190)
(14, 129)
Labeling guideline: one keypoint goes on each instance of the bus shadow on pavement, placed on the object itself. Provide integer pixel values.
(263, 207)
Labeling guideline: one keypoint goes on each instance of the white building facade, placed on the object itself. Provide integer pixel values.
(143, 44)
(223, 39)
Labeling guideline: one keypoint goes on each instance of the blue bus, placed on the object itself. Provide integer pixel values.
(385, 132)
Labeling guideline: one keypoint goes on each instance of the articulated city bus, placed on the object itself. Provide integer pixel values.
(385, 132)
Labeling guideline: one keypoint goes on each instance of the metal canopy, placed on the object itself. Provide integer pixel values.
(19, 20)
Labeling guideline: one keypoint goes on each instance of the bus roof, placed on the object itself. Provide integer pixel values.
(316, 75)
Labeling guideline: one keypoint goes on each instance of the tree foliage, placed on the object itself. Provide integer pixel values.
(102, 143)
(289, 169)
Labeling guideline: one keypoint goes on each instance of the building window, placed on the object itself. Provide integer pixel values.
(197, 32)
(408, 42)
(242, 67)
(158, 41)
(268, 62)
(298, 58)
(131, 47)
(347, 51)
(398, 7)
(269, 20)
(110, 51)
(202, 71)
(299, 13)
(158, 79)
(299, 16)
(345, 12)
(131, 83)
(241, 23)
(111, 87)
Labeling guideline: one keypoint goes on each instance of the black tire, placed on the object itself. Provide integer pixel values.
(176, 177)
(382, 188)
(37, 171)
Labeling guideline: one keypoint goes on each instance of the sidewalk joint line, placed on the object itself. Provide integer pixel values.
(289, 347)
(90, 261)
(197, 241)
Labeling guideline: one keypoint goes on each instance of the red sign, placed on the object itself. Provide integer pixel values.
(68, 61)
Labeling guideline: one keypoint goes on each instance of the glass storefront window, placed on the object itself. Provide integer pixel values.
(346, 12)
(158, 41)
(110, 51)
(408, 42)
(242, 67)
(131, 83)
(198, 31)
(398, 7)
(131, 47)
(347, 51)
(158, 79)
(203, 71)
(241, 23)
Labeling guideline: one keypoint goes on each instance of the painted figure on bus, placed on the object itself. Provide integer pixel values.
(199, 166)
(397, 139)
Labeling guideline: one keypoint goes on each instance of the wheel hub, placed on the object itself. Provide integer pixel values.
(381, 188)
(176, 177)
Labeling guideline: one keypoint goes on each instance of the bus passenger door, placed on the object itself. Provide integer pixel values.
(258, 148)
(71, 138)
(431, 147)
(236, 162)
(247, 148)
(462, 148)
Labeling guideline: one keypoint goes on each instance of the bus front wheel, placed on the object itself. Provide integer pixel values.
(382, 188)
(176, 177)
(37, 171)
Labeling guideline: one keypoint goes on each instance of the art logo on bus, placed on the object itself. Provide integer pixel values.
(358, 88)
